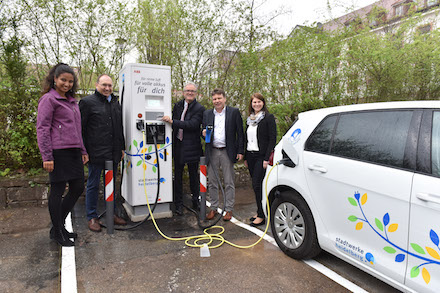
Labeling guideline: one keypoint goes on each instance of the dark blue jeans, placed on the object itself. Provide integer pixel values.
(95, 172)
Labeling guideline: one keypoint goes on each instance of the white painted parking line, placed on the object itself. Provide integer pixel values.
(68, 266)
(334, 276)
(312, 263)
(254, 230)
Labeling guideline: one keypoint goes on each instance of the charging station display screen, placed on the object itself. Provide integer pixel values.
(153, 101)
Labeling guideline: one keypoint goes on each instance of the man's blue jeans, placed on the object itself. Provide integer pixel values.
(95, 171)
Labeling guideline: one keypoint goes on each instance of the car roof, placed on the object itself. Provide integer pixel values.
(375, 106)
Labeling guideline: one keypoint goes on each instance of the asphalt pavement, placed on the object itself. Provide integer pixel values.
(29, 260)
(141, 260)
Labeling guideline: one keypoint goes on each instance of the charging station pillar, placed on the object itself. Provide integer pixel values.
(146, 98)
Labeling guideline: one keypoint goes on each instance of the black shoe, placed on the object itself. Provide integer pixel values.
(61, 239)
(252, 219)
(179, 211)
(66, 233)
(259, 224)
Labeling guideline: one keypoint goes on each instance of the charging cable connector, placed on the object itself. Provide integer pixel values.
(140, 125)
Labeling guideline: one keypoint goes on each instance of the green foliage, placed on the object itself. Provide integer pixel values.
(5, 172)
(18, 103)
(314, 69)
(303, 74)
(35, 171)
(216, 43)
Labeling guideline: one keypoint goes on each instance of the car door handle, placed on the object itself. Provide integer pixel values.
(317, 168)
(428, 197)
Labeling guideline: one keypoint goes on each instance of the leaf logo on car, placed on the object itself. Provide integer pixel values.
(383, 227)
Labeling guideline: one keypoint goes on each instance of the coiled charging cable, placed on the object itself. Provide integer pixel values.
(207, 237)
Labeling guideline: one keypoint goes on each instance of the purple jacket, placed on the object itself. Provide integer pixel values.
(58, 124)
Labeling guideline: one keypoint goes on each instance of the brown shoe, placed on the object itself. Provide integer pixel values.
(211, 215)
(227, 216)
(119, 221)
(94, 225)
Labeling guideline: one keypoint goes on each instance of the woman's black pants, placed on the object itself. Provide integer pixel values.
(60, 207)
(255, 165)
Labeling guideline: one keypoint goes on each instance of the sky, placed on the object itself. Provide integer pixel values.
(306, 12)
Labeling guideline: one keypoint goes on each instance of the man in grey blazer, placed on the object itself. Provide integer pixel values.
(224, 146)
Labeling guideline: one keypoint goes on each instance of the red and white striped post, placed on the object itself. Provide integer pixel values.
(203, 188)
(109, 197)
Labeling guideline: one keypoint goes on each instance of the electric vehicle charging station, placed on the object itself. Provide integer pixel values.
(145, 93)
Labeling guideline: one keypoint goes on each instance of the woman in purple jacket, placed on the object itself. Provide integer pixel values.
(61, 146)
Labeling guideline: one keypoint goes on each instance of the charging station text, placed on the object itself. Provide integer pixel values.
(155, 85)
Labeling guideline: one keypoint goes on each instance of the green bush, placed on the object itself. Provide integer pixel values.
(18, 106)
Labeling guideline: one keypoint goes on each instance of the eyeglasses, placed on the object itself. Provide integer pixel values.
(106, 85)
(190, 91)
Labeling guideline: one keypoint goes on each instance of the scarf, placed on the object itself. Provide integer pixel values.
(255, 119)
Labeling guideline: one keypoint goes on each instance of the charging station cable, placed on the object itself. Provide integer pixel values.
(194, 241)
(219, 215)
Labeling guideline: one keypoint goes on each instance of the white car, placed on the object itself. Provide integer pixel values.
(363, 183)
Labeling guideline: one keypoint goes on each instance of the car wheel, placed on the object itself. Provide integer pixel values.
(293, 226)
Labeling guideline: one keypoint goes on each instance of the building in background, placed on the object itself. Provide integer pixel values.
(388, 12)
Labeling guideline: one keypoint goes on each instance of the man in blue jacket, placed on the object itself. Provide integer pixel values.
(226, 147)
(101, 119)
(187, 147)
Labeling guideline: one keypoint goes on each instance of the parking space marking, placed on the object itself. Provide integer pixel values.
(312, 263)
(68, 266)
(254, 230)
(334, 276)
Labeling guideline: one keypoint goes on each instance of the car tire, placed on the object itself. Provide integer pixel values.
(293, 226)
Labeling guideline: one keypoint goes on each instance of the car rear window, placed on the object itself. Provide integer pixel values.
(321, 138)
(378, 137)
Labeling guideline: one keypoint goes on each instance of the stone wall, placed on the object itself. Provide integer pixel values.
(25, 191)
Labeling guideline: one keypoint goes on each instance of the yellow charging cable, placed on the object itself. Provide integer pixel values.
(209, 237)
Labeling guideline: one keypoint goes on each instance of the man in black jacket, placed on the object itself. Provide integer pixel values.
(225, 148)
(187, 147)
(101, 120)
